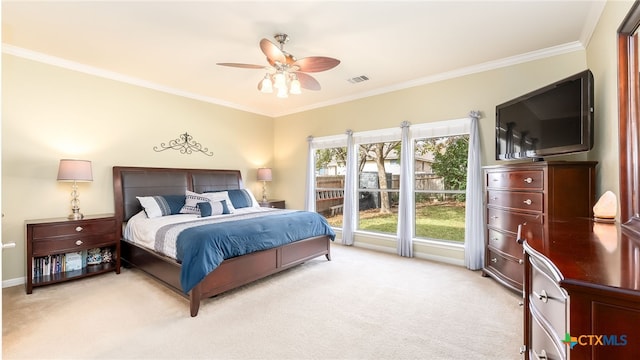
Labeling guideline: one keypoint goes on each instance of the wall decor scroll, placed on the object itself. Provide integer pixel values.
(185, 144)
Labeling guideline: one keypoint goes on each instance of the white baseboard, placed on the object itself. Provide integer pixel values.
(385, 249)
(14, 282)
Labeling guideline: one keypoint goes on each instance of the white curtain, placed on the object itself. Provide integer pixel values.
(350, 208)
(474, 232)
(406, 207)
(310, 186)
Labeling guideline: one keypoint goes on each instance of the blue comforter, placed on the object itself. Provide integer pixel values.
(202, 248)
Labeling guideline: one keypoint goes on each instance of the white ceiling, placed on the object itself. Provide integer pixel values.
(174, 46)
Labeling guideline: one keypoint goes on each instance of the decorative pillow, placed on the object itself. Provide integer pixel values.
(240, 198)
(213, 208)
(157, 206)
(192, 199)
(219, 196)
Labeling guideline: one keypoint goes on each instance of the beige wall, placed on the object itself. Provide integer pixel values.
(602, 60)
(50, 113)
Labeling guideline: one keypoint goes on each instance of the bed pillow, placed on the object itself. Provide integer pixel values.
(219, 196)
(240, 198)
(161, 205)
(210, 208)
(192, 199)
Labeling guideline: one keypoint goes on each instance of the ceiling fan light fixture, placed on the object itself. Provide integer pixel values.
(283, 93)
(285, 72)
(280, 81)
(267, 86)
(295, 87)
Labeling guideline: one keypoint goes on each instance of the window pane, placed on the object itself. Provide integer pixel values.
(330, 174)
(440, 183)
(439, 216)
(378, 186)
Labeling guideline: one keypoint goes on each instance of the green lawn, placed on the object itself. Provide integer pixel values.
(433, 220)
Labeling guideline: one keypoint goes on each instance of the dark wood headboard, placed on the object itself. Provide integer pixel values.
(129, 182)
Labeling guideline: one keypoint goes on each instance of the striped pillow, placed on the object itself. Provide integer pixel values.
(161, 205)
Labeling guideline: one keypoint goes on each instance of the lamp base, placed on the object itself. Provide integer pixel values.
(75, 215)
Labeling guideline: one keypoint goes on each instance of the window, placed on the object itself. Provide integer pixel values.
(378, 186)
(330, 167)
(439, 178)
(440, 182)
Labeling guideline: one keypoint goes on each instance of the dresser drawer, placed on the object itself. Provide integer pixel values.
(546, 296)
(516, 180)
(67, 244)
(510, 268)
(525, 201)
(543, 345)
(505, 242)
(63, 229)
(509, 221)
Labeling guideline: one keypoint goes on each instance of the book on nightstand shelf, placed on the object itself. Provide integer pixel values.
(60, 263)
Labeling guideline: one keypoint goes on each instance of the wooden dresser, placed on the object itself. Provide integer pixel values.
(530, 193)
(582, 292)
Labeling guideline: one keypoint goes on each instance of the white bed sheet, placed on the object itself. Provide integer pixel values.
(141, 230)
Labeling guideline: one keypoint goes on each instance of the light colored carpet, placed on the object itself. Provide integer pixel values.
(361, 305)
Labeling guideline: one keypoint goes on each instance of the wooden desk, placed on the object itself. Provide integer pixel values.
(596, 266)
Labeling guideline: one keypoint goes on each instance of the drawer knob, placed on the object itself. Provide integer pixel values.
(541, 356)
(79, 228)
(79, 242)
(494, 217)
(528, 202)
(542, 296)
(528, 180)
(494, 260)
(520, 261)
(495, 239)
(494, 198)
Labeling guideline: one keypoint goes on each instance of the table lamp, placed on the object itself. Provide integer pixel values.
(264, 175)
(75, 170)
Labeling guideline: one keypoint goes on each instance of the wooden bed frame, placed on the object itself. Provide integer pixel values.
(129, 182)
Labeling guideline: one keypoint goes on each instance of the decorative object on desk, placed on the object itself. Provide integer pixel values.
(94, 256)
(264, 175)
(607, 207)
(75, 170)
(185, 144)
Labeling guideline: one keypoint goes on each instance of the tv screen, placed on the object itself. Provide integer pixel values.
(554, 120)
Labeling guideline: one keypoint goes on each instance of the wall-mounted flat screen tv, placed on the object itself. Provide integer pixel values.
(554, 120)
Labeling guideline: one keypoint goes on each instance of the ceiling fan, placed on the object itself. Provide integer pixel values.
(285, 73)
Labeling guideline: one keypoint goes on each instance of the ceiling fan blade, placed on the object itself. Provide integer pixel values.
(307, 81)
(316, 63)
(245, 66)
(272, 52)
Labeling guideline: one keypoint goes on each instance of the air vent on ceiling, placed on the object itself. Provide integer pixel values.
(358, 79)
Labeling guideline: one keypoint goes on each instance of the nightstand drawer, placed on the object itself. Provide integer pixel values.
(86, 228)
(71, 243)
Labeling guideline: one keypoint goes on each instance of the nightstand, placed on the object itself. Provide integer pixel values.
(57, 249)
(278, 204)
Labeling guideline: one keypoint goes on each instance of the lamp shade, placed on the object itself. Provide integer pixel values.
(75, 170)
(264, 174)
